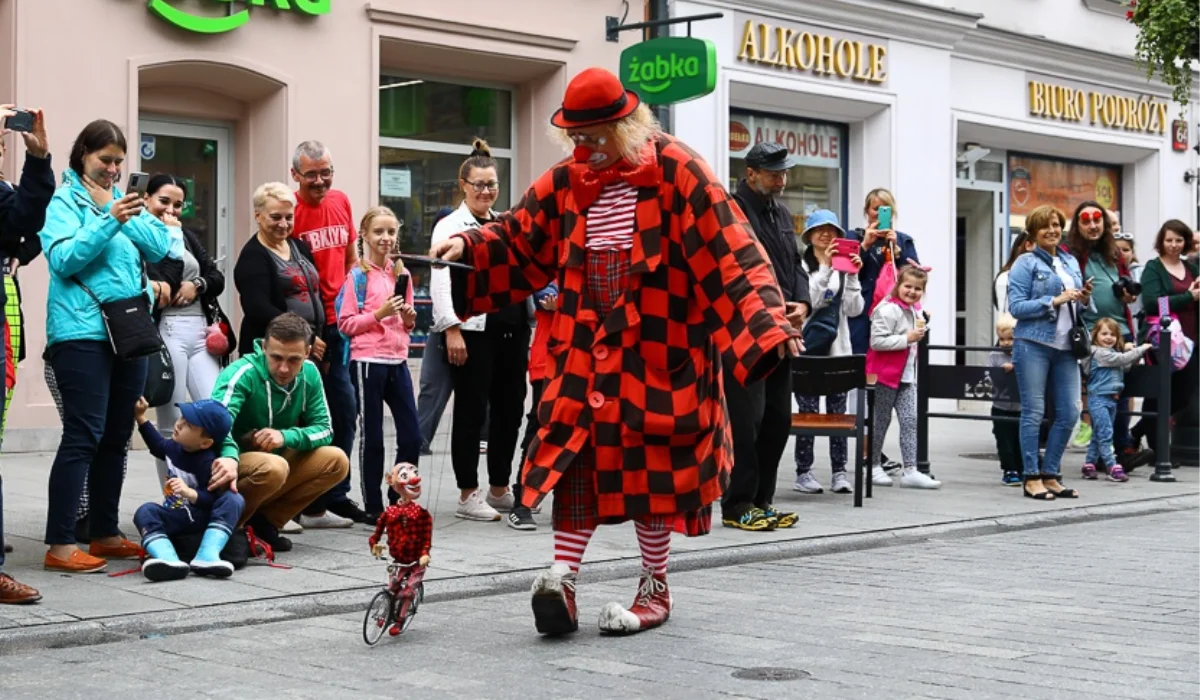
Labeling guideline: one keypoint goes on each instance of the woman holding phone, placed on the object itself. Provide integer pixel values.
(375, 310)
(881, 212)
(95, 235)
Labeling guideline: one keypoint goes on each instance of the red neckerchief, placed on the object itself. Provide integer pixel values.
(586, 183)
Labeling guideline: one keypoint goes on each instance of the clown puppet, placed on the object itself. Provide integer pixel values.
(660, 279)
(409, 529)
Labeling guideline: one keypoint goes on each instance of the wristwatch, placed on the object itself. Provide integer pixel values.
(201, 284)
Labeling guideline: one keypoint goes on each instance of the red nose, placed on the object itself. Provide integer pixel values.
(582, 153)
(415, 481)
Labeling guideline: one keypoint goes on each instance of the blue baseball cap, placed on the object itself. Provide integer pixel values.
(210, 415)
(821, 217)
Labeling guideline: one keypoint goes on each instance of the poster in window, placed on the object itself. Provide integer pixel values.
(1036, 181)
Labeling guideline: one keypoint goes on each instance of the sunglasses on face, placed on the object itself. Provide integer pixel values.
(1090, 216)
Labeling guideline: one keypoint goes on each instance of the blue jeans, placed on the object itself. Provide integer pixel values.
(1038, 367)
(1121, 437)
(377, 384)
(154, 520)
(1103, 410)
(98, 392)
(343, 411)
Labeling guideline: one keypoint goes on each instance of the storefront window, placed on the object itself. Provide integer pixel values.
(817, 181)
(426, 130)
(1034, 181)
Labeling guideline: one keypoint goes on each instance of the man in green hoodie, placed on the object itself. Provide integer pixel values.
(278, 454)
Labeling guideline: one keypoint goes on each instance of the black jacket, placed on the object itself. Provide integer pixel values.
(261, 291)
(772, 223)
(23, 212)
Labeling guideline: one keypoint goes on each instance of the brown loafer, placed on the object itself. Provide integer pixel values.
(14, 593)
(80, 562)
(125, 550)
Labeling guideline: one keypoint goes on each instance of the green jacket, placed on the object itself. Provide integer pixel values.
(255, 402)
(1156, 282)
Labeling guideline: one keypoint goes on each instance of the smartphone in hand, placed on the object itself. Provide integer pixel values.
(139, 182)
(885, 219)
(21, 121)
(841, 256)
(401, 289)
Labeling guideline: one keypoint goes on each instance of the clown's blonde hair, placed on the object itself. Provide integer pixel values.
(630, 133)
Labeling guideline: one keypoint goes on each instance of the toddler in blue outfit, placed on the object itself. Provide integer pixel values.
(190, 507)
(1106, 380)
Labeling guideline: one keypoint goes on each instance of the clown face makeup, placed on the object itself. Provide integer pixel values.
(405, 479)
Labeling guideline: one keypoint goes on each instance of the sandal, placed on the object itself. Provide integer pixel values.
(1046, 495)
(1062, 492)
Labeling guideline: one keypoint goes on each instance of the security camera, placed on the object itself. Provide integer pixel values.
(971, 154)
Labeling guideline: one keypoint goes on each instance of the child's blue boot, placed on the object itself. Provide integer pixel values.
(208, 560)
(162, 563)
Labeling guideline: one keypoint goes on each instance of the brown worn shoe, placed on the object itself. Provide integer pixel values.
(80, 562)
(13, 593)
(125, 550)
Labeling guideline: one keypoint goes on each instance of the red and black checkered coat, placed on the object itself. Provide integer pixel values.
(643, 384)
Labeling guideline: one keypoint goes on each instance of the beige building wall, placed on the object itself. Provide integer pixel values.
(281, 78)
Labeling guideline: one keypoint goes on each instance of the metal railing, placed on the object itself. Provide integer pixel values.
(984, 383)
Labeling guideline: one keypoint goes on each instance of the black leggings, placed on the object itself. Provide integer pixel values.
(489, 386)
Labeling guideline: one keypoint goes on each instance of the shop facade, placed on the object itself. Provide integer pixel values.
(220, 93)
(970, 121)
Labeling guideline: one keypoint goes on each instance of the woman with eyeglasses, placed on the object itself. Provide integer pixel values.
(488, 358)
(275, 273)
(1092, 243)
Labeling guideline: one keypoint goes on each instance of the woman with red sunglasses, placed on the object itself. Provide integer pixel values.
(1094, 246)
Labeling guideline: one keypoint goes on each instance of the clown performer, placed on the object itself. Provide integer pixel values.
(660, 278)
(409, 530)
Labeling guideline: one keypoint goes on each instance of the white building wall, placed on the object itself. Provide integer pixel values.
(1106, 31)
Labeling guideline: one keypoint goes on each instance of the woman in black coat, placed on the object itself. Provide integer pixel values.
(185, 320)
(275, 273)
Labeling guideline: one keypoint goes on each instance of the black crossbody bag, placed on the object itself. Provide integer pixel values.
(131, 328)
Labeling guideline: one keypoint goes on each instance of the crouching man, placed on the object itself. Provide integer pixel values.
(278, 450)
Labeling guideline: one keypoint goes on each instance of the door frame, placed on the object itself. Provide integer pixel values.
(222, 133)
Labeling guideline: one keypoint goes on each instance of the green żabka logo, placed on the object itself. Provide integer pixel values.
(220, 25)
(670, 69)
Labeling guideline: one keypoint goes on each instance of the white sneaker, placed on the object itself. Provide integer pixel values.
(807, 483)
(841, 483)
(324, 521)
(879, 477)
(291, 527)
(913, 479)
(475, 508)
(503, 503)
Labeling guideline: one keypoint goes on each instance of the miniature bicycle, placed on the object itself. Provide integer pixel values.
(388, 610)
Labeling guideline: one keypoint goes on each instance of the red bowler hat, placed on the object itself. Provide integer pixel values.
(595, 96)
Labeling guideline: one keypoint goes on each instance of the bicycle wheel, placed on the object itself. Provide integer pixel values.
(412, 608)
(378, 618)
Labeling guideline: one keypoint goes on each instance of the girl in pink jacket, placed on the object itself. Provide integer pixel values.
(375, 311)
(897, 326)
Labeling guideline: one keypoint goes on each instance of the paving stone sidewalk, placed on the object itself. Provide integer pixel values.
(339, 560)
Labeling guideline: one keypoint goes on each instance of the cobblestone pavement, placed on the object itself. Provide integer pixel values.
(1105, 609)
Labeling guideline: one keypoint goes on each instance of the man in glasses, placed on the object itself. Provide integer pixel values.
(325, 222)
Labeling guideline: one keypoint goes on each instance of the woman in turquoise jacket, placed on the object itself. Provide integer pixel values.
(95, 235)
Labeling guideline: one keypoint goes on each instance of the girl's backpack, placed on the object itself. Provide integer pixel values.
(1168, 323)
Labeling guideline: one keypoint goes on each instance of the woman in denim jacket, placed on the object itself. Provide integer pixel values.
(1040, 286)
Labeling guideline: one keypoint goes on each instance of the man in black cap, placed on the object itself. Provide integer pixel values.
(760, 414)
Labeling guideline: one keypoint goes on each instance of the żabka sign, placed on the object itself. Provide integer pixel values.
(219, 25)
(670, 69)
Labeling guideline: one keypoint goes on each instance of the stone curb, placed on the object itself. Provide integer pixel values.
(292, 607)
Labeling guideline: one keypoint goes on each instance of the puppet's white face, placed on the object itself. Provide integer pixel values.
(405, 479)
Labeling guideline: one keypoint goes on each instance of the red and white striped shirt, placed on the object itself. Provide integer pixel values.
(610, 219)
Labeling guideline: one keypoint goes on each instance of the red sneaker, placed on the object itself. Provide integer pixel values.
(554, 610)
(651, 607)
